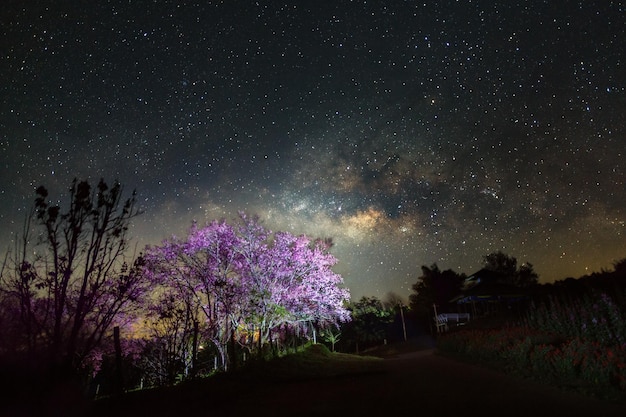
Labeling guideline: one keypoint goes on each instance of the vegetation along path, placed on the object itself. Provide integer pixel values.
(420, 383)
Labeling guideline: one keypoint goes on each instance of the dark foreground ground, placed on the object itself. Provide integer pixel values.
(415, 383)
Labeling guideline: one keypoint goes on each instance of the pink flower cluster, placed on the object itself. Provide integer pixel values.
(245, 281)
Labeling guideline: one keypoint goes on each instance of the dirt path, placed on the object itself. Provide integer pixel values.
(451, 388)
(426, 384)
(419, 383)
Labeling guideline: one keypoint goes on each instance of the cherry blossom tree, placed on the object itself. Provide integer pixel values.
(248, 283)
(203, 270)
(290, 281)
(259, 267)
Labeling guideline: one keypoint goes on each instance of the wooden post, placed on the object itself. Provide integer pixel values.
(194, 349)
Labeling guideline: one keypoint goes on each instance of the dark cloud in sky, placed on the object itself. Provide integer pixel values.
(410, 132)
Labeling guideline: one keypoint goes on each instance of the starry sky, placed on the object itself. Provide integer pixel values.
(411, 132)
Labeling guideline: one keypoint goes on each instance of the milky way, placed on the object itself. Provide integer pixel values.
(411, 133)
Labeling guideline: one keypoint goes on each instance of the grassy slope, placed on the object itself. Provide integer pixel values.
(314, 362)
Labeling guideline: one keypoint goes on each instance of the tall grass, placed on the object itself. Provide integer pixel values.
(573, 342)
(596, 317)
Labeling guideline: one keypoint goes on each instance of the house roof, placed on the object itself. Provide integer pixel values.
(483, 276)
(486, 285)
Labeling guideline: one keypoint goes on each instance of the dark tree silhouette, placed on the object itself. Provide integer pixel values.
(500, 262)
(370, 319)
(619, 268)
(67, 283)
(506, 265)
(434, 287)
(397, 304)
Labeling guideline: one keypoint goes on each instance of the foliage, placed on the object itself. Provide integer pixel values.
(332, 336)
(370, 320)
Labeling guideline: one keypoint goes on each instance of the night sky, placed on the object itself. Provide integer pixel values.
(411, 133)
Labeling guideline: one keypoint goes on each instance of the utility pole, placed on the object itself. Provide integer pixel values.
(402, 317)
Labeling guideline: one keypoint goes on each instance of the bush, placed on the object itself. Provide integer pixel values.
(589, 365)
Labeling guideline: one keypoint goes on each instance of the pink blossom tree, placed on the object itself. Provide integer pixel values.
(247, 282)
(203, 271)
(289, 281)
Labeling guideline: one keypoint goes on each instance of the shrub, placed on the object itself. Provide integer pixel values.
(544, 356)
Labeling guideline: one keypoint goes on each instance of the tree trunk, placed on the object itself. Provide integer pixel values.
(233, 345)
(119, 380)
